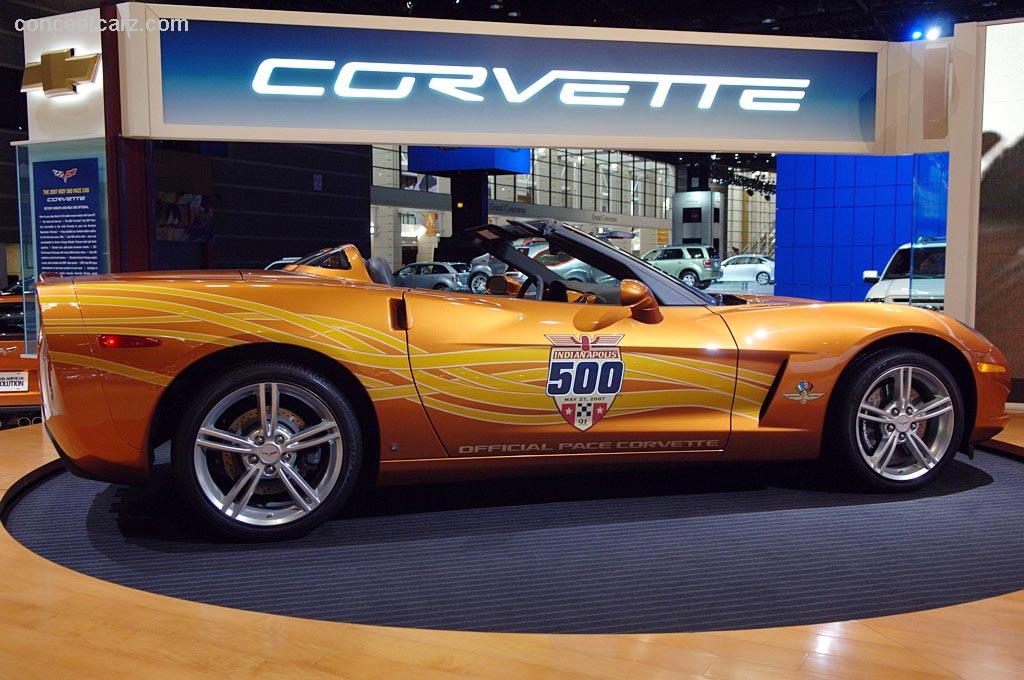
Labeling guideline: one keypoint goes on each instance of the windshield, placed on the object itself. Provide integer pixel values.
(460, 268)
(601, 243)
(328, 258)
(929, 263)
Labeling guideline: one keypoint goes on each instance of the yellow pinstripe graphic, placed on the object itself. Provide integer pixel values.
(492, 384)
(111, 367)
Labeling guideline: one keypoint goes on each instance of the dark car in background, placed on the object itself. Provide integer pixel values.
(19, 374)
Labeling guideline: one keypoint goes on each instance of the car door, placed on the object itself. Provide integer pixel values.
(437, 274)
(670, 261)
(741, 269)
(501, 376)
(403, 276)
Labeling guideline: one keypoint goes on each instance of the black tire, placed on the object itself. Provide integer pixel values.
(223, 384)
(442, 286)
(704, 285)
(689, 277)
(763, 278)
(842, 446)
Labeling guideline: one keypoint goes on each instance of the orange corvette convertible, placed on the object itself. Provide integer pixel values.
(283, 393)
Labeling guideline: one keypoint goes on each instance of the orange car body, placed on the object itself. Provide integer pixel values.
(453, 385)
(19, 374)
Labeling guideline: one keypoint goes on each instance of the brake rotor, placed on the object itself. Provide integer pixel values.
(248, 425)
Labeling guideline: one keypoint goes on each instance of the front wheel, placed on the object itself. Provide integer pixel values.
(268, 451)
(898, 418)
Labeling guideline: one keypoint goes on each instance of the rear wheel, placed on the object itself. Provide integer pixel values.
(763, 278)
(898, 418)
(268, 451)
(689, 277)
(442, 286)
(478, 283)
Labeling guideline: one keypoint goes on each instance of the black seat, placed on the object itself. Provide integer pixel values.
(380, 271)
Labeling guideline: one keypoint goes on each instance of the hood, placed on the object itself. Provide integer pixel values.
(733, 299)
(901, 288)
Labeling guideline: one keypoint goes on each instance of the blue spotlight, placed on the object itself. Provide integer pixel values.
(916, 35)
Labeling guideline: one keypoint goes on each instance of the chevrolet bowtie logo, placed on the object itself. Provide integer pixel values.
(59, 72)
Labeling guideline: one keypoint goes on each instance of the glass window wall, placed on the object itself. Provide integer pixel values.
(600, 180)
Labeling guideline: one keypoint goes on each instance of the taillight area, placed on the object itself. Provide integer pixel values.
(707, 264)
(118, 341)
(39, 326)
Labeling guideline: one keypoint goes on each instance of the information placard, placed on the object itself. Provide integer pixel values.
(70, 237)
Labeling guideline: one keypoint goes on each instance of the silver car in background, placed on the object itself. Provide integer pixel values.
(563, 264)
(434, 275)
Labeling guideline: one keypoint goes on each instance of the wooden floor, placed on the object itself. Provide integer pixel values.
(56, 623)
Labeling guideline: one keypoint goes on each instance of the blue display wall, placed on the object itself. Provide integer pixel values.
(837, 216)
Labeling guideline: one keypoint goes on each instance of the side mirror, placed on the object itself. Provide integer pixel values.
(503, 285)
(497, 285)
(640, 300)
(871, 276)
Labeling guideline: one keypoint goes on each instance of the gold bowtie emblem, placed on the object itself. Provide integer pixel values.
(59, 72)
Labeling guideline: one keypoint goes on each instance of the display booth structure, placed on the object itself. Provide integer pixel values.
(198, 73)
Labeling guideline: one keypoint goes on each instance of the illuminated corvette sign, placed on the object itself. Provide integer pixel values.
(579, 88)
(237, 80)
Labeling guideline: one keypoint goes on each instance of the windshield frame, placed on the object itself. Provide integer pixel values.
(666, 289)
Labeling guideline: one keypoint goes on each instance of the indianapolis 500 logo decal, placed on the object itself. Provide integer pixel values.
(584, 377)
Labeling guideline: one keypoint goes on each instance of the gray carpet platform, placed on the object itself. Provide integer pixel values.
(692, 548)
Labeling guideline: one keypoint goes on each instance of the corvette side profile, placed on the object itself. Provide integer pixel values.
(283, 393)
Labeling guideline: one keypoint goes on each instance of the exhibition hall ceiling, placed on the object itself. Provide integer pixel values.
(893, 20)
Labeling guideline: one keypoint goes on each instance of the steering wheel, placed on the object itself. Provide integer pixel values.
(527, 285)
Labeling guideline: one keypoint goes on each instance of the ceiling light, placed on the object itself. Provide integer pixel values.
(916, 35)
(933, 33)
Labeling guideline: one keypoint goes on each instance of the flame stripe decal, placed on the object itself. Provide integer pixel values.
(494, 384)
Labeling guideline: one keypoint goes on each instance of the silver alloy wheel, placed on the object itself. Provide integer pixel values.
(478, 284)
(690, 279)
(268, 454)
(905, 423)
(763, 278)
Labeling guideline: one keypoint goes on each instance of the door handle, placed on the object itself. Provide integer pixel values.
(399, 315)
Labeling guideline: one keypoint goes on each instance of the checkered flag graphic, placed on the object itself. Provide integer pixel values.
(584, 412)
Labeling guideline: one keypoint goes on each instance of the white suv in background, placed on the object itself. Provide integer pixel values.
(924, 287)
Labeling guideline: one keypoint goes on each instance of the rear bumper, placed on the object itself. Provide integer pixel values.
(80, 425)
(69, 464)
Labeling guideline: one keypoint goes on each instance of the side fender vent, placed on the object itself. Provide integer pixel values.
(773, 389)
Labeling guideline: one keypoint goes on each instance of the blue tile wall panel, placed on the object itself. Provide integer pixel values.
(839, 215)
